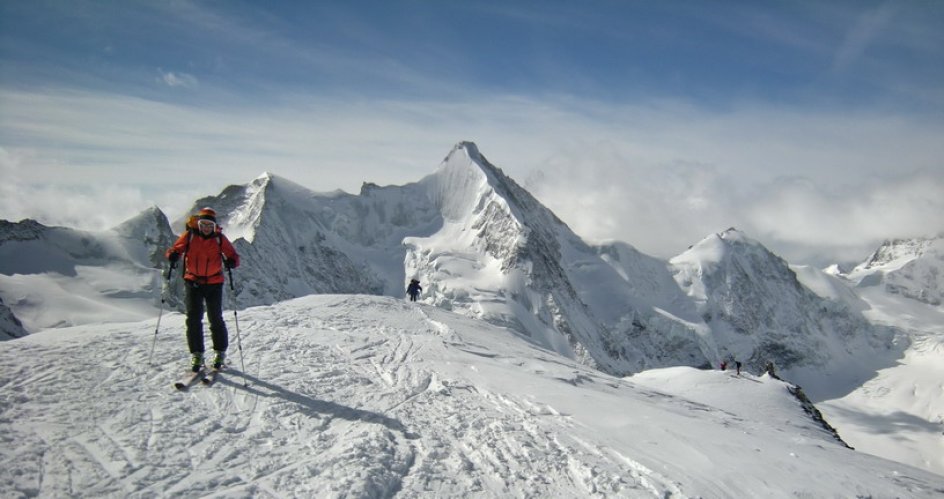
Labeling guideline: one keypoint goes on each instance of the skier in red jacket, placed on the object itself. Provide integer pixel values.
(206, 253)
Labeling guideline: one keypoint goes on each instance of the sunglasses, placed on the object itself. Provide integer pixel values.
(208, 224)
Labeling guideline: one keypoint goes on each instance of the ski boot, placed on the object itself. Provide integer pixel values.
(218, 360)
(196, 362)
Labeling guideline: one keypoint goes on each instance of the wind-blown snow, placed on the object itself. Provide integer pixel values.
(357, 396)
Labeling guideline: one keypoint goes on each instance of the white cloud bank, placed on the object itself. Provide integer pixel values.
(813, 184)
(664, 210)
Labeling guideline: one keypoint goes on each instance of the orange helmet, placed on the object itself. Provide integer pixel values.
(207, 214)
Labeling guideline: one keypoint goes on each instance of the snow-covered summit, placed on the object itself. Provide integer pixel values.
(759, 311)
(715, 254)
(146, 236)
(895, 253)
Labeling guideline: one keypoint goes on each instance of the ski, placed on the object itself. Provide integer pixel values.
(188, 380)
(210, 377)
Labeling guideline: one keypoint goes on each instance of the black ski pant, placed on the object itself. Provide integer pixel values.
(212, 295)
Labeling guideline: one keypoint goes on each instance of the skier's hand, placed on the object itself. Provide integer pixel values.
(229, 263)
(173, 257)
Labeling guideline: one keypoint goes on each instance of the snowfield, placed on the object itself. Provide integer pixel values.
(365, 396)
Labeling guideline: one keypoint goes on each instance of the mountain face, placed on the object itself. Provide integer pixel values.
(758, 311)
(913, 268)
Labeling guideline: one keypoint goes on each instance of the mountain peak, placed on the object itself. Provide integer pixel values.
(716, 248)
(894, 253)
(732, 234)
(468, 148)
(466, 154)
(149, 217)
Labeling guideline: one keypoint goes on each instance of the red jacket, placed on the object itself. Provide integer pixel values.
(203, 256)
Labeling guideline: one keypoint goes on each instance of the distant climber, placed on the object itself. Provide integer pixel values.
(737, 364)
(414, 289)
(724, 365)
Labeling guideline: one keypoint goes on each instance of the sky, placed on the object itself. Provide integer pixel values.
(814, 127)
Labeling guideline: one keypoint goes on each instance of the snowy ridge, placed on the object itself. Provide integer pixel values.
(358, 396)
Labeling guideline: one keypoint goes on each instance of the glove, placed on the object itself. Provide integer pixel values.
(229, 263)
(173, 257)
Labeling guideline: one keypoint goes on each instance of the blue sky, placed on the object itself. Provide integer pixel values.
(813, 126)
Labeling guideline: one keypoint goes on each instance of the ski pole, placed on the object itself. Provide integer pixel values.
(239, 343)
(164, 285)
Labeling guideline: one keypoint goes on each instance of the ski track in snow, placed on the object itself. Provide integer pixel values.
(306, 397)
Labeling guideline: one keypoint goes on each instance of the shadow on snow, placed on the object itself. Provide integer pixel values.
(314, 405)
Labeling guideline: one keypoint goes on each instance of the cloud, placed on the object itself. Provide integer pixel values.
(660, 176)
(804, 218)
(96, 205)
(58, 205)
(664, 209)
(172, 79)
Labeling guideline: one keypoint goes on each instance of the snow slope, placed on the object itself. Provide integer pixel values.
(897, 413)
(358, 396)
